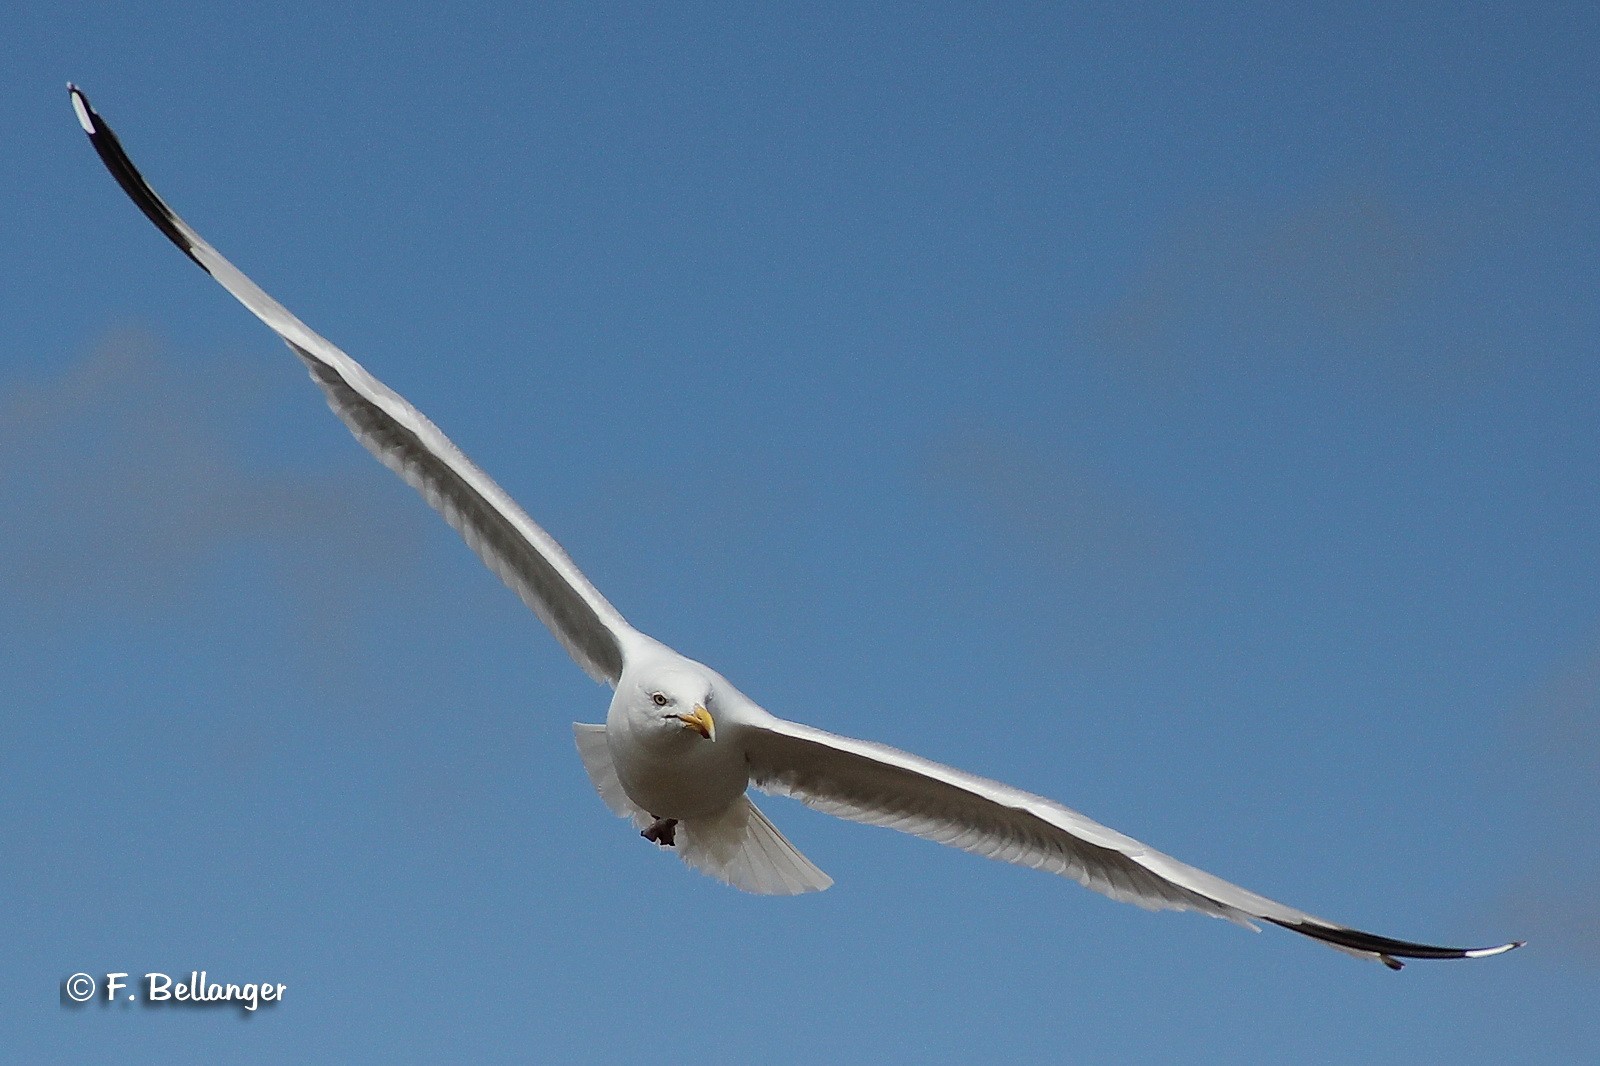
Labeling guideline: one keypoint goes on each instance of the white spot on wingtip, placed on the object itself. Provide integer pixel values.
(81, 108)
(1484, 953)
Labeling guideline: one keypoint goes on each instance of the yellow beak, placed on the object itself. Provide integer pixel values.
(701, 722)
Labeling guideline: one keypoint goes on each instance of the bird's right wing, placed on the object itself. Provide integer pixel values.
(880, 785)
(509, 542)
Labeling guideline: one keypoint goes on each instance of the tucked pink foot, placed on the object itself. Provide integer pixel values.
(662, 831)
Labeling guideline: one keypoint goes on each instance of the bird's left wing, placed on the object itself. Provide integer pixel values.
(880, 785)
(509, 542)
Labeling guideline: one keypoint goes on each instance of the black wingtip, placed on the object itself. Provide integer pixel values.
(1390, 951)
(121, 167)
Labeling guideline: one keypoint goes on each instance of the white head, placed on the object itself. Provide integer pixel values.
(670, 700)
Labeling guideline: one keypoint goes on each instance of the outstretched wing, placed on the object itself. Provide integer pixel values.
(512, 545)
(879, 785)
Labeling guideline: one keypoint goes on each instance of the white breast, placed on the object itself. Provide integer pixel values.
(670, 771)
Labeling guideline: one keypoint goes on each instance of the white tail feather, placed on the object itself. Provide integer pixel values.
(743, 849)
(739, 847)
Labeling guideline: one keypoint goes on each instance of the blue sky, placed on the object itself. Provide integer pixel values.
(1189, 415)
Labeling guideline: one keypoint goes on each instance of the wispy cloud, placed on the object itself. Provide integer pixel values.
(1555, 900)
(1559, 913)
(1558, 724)
(1089, 549)
(122, 485)
(1347, 281)
(1059, 512)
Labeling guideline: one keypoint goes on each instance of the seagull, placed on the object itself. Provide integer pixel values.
(681, 747)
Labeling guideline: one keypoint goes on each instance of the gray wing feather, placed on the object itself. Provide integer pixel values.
(513, 545)
(880, 785)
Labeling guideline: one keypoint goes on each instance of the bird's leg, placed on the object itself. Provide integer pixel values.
(662, 831)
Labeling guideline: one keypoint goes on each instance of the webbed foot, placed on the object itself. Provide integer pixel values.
(662, 831)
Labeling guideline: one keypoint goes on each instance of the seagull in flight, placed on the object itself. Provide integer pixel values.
(681, 747)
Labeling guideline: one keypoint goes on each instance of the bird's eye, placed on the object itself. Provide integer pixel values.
(659, 699)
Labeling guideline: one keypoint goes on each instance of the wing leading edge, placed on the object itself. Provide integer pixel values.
(880, 785)
(509, 542)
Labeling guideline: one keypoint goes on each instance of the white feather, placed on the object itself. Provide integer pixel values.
(743, 849)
